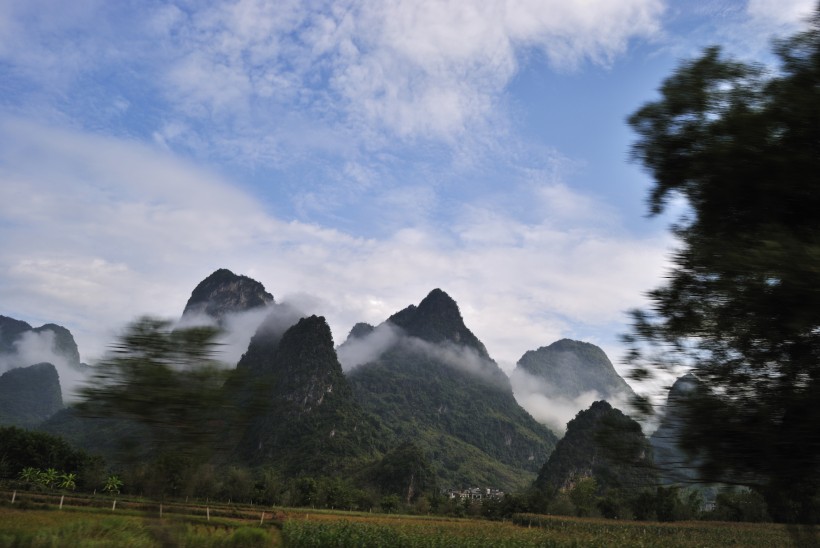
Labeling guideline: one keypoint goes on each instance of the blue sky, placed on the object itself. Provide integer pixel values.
(350, 155)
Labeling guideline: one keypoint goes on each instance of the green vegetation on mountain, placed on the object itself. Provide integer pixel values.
(29, 395)
(438, 388)
(603, 444)
(303, 417)
(404, 471)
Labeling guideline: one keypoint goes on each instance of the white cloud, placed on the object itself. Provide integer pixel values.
(99, 231)
(403, 68)
(781, 12)
(368, 348)
(545, 403)
(553, 411)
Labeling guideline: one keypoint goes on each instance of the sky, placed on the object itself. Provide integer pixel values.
(350, 155)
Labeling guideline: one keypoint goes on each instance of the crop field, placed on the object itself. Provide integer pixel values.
(93, 523)
(524, 531)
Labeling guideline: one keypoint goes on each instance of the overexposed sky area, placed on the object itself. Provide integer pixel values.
(349, 155)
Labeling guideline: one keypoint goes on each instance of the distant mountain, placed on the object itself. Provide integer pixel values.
(436, 386)
(10, 332)
(302, 414)
(15, 334)
(21, 346)
(603, 443)
(360, 330)
(224, 292)
(674, 465)
(29, 395)
(568, 369)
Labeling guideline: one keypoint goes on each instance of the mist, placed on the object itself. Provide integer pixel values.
(386, 336)
(236, 329)
(361, 350)
(34, 347)
(542, 400)
(457, 356)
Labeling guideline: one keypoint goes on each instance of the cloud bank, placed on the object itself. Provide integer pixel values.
(118, 230)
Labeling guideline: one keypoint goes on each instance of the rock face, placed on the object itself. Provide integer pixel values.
(437, 319)
(570, 368)
(436, 385)
(603, 443)
(10, 332)
(29, 395)
(224, 292)
(304, 418)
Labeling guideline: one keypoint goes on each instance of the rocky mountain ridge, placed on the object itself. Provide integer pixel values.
(224, 292)
(432, 385)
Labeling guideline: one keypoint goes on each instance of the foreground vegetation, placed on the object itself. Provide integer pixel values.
(82, 527)
(137, 523)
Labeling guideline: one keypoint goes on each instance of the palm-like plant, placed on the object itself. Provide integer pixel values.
(30, 474)
(49, 477)
(113, 484)
(68, 481)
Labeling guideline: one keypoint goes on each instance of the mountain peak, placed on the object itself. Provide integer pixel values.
(437, 297)
(571, 368)
(304, 414)
(224, 292)
(59, 342)
(360, 330)
(437, 319)
(603, 443)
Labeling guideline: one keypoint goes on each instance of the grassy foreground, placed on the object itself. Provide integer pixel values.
(83, 528)
(87, 527)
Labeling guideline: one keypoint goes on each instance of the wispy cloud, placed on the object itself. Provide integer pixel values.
(367, 69)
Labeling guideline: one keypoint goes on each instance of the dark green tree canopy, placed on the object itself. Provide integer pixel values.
(741, 304)
(164, 379)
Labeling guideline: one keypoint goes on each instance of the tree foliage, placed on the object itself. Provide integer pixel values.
(404, 471)
(741, 304)
(26, 451)
(165, 380)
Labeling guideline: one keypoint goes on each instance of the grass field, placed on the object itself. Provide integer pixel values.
(138, 524)
(84, 528)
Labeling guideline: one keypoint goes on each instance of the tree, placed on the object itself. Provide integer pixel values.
(30, 452)
(167, 381)
(404, 471)
(583, 496)
(741, 305)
